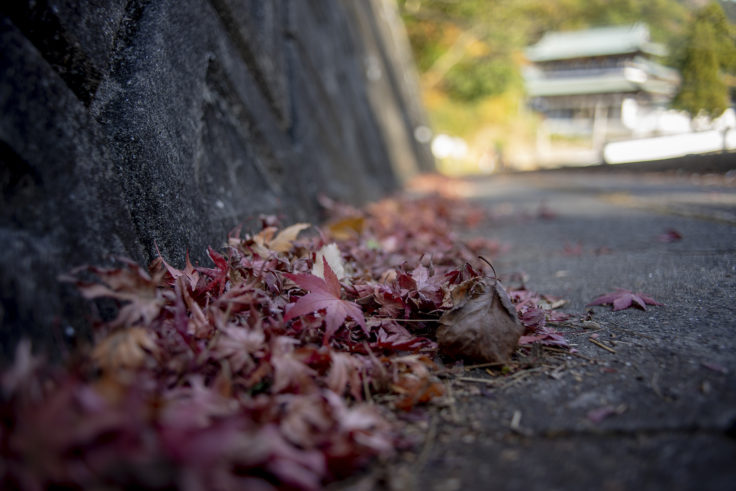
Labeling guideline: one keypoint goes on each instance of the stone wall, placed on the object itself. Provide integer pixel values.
(125, 124)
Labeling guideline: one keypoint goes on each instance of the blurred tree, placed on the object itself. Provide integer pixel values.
(470, 54)
(469, 48)
(666, 18)
(482, 76)
(705, 60)
(466, 48)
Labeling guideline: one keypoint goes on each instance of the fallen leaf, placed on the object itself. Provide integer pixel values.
(413, 381)
(714, 366)
(345, 370)
(331, 253)
(670, 235)
(623, 299)
(124, 349)
(261, 240)
(290, 372)
(283, 240)
(416, 391)
(240, 346)
(346, 228)
(598, 415)
(545, 335)
(130, 284)
(219, 274)
(188, 272)
(545, 212)
(324, 294)
(23, 368)
(573, 249)
(482, 326)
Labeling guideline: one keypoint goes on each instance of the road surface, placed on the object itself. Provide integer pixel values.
(649, 399)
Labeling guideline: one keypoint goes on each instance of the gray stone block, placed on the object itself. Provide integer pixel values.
(126, 125)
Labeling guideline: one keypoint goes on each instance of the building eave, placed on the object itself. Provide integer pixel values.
(606, 41)
(596, 85)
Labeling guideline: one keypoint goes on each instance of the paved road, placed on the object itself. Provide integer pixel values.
(668, 385)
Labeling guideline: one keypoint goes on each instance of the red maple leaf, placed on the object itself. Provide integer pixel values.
(219, 274)
(671, 235)
(623, 299)
(188, 273)
(324, 295)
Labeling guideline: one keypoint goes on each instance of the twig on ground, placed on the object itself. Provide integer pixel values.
(567, 352)
(453, 407)
(506, 381)
(478, 380)
(519, 376)
(601, 345)
(485, 365)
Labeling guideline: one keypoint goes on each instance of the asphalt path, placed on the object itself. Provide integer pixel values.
(648, 400)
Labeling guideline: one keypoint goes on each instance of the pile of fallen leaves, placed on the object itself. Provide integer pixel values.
(277, 367)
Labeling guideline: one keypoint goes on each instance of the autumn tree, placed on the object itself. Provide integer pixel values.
(704, 62)
(465, 49)
(472, 49)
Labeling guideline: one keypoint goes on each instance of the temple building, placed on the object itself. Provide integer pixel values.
(602, 84)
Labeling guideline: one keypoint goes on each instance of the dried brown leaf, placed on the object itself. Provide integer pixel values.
(124, 349)
(346, 228)
(285, 239)
(482, 326)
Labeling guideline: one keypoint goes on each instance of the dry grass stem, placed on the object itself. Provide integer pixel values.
(601, 345)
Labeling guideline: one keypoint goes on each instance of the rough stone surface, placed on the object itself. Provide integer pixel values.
(126, 124)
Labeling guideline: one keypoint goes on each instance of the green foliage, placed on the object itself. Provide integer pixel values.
(475, 78)
(666, 18)
(469, 49)
(466, 47)
(426, 41)
(709, 53)
(470, 53)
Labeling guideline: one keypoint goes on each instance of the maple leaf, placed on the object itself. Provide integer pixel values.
(124, 348)
(347, 227)
(391, 304)
(428, 287)
(264, 241)
(391, 336)
(219, 274)
(188, 272)
(670, 235)
(289, 371)
(324, 295)
(545, 335)
(285, 239)
(331, 253)
(345, 369)
(240, 345)
(23, 368)
(130, 284)
(623, 299)
(573, 249)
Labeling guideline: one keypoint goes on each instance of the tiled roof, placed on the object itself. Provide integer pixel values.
(595, 85)
(598, 41)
